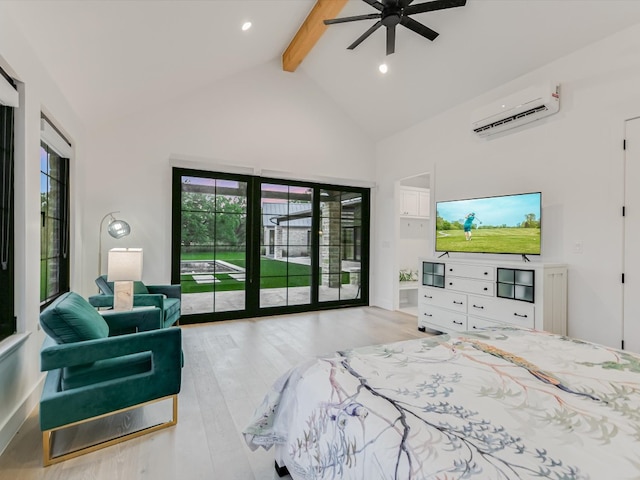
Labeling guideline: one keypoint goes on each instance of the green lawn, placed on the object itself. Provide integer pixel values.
(273, 273)
(491, 240)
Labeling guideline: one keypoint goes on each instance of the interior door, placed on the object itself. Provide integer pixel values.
(631, 286)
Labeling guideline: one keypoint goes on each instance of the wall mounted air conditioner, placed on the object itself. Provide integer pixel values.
(518, 109)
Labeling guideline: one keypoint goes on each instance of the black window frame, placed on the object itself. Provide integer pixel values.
(8, 323)
(63, 232)
(254, 237)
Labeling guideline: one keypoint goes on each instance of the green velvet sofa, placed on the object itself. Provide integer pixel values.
(166, 297)
(103, 363)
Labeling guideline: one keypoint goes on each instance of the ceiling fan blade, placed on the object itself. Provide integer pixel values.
(435, 5)
(369, 16)
(375, 4)
(420, 29)
(363, 37)
(391, 39)
(404, 3)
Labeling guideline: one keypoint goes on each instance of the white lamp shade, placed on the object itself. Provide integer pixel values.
(124, 264)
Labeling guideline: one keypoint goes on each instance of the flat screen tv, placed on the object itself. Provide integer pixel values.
(499, 224)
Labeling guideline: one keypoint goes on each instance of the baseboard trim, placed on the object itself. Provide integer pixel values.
(385, 304)
(11, 426)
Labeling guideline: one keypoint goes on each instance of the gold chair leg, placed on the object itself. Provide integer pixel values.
(47, 435)
(46, 447)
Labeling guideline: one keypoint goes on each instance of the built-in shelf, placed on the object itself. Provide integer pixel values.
(409, 285)
(413, 210)
(408, 297)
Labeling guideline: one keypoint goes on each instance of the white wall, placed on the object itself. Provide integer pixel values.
(574, 157)
(20, 370)
(268, 120)
(264, 120)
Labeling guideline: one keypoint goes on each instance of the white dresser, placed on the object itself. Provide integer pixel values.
(459, 295)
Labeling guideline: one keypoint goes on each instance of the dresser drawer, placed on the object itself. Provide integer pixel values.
(479, 272)
(512, 312)
(442, 320)
(477, 287)
(442, 298)
(475, 323)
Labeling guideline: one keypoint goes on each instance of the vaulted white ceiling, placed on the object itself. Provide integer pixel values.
(112, 58)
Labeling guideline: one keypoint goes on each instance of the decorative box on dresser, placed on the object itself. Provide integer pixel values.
(462, 294)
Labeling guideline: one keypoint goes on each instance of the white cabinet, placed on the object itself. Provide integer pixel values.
(459, 295)
(414, 202)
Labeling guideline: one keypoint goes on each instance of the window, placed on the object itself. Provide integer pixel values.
(7, 315)
(246, 246)
(54, 222)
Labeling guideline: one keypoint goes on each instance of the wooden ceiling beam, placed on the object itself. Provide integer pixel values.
(310, 32)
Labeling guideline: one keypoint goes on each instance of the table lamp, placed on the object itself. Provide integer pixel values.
(123, 268)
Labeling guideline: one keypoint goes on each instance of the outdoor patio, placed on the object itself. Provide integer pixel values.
(273, 297)
(226, 301)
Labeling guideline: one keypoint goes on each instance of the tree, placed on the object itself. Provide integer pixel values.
(530, 221)
(210, 219)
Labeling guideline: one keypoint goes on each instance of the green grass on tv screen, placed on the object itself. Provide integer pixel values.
(490, 240)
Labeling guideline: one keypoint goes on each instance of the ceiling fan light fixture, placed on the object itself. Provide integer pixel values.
(392, 13)
(246, 26)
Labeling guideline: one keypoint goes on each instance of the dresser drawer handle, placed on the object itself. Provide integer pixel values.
(485, 289)
(457, 323)
(457, 303)
(486, 273)
(478, 306)
(428, 296)
(428, 315)
(518, 315)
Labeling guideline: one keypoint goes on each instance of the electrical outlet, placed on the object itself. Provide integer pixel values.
(577, 247)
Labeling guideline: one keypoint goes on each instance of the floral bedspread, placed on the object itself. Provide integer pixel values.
(494, 404)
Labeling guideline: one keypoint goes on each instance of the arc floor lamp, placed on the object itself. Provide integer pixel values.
(116, 228)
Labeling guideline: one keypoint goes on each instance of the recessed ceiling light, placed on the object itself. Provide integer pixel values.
(246, 26)
(383, 68)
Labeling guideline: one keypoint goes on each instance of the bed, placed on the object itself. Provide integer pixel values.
(494, 404)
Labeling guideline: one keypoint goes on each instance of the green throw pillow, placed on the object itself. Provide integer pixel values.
(70, 318)
(139, 287)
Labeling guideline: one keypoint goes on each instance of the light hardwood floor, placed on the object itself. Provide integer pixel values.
(229, 366)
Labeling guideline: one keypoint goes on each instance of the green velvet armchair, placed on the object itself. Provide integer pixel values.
(94, 369)
(165, 297)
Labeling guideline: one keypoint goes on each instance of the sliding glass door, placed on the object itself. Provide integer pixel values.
(248, 246)
(340, 245)
(285, 248)
(213, 244)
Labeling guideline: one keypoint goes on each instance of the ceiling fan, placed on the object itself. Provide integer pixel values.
(394, 12)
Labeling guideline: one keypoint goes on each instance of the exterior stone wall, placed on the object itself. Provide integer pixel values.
(330, 255)
(290, 242)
